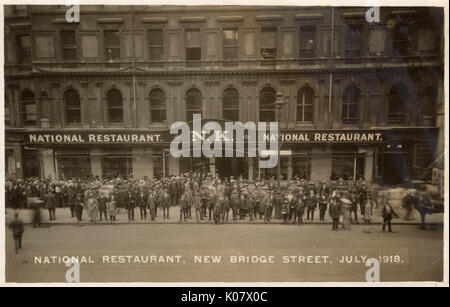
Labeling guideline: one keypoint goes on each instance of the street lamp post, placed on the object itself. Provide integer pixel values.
(279, 105)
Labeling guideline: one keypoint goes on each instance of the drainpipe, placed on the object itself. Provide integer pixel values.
(330, 86)
(133, 68)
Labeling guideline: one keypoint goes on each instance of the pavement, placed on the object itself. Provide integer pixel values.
(225, 253)
(63, 217)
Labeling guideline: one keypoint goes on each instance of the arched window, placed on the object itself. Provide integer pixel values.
(157, 106)
(428, 104)
(230, 104)
(193, 103)
(396, 107)
(350, 105)
(115, 106)
(28, 109)
(305, 104)
(267, 105)
(72, 105)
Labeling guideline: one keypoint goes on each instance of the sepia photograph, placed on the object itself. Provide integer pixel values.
(224, 143)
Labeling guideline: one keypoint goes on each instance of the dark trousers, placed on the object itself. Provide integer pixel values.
(131, 214)
(17, 242)
(335, 224)
(182, 214)
(72, 211)
(112, 218)
(299, 217)
(102, 211)
(355, 213)
(217, 218)
(362, 205)
(51, 213)
(310, 214)
(143, 212)
(165, 210)
(323, 210)
(387, 222)
(268, 214)
(79, 213)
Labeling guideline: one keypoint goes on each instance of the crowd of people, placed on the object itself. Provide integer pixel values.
(199, 196)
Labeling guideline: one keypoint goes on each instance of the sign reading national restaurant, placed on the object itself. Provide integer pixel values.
(165, 137)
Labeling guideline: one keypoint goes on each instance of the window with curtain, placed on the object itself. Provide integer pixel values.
(230, 44)
(157, 106)
(194, 103)
(305, 104)
(112, 45)
(193, 45)
(28, 108)
(72, 106)
(269, 43)
(267, 98)
(230, 104)
(115, 106)
(350, 106)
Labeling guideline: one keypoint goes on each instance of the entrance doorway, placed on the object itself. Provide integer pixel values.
(227, 167)
(395, 168)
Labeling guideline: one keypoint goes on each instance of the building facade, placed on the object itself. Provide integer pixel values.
(97, 97)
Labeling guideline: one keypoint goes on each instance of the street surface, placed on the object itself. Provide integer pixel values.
(410, 254)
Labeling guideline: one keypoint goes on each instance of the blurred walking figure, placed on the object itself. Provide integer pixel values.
(369, 207)
(346, 207)
(36, 207)
(50, 204)
(17, 229)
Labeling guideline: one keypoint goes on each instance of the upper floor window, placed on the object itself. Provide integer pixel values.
(307, 42)
(23, 48)
(28, 108)
(353, 40)
(115, 106)
(157, 106)
(396, 106)
(269, 43)
(69, 45)
(267, 105)
(230, 44)
(428, 100)
(193, 45)
(402, 39)
(112, 45)
(194, 103)
(155, 44)
(230, 104)
(350, 106)
(305, 104)
(72, 105)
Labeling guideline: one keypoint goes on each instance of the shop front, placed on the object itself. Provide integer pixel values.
(389, 156)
